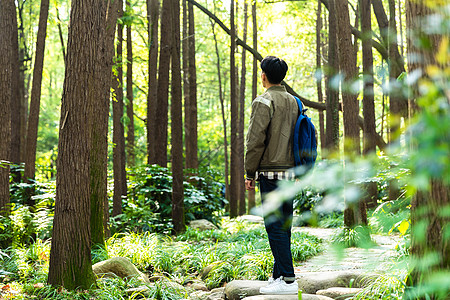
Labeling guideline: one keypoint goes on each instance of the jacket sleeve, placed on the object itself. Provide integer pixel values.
(256, 136)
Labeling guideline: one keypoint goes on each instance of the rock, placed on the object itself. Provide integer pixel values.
(313, 282)
(199, 295)
(202, 225)
(339, 292)
(238, 289)
(217, 294)
(287, 297)
(142, 290)
(119, 266)
(251, 219)
(199, 286)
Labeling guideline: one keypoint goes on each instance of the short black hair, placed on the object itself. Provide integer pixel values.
(275, 69)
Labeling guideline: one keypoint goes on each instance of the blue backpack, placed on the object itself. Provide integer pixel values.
(305, 143)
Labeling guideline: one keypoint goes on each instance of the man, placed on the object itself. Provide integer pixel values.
(268, 159)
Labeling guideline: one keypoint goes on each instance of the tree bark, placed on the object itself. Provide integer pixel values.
(332, 104)
(177, 125)
(99, 132)
(119, 160)
(251, 193)
(152, 98)
(191, 105)
(15, 98)
(242, 206)
(6, 78)
(33, 119)
(319, 80)
(369, 135)
(70, 255)
(224, 120)
(162, 106)
(234, 180)
(130, 109)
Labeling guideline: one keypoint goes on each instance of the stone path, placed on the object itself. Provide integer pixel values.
(367, 260)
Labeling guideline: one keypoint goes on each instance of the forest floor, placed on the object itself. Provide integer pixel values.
(374, 259)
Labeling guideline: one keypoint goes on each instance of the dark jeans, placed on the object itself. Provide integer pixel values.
(278, 226)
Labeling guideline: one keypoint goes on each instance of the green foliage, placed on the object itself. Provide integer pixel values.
(148, 206)
(384, 287)
(358, 236)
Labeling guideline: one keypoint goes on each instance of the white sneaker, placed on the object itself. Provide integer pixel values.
(279, 287)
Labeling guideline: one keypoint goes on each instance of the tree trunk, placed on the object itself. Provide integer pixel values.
(242, 207)
(369, 135)
(251, 193)
(332, 104)
(352, 215)
(33, 120)
(429, 220)
(191, 105)
(224, 120)
(130, 97)
(15, 98)
(99, 131)
(70, 255)
(23, 88)
(120, 178)
(152, 98)
(234, 180)
(162, 105)
(177, 125)
(6, 23)
(185, 60)
(319, 80)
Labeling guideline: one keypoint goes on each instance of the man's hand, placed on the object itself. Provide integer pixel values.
(249, 184)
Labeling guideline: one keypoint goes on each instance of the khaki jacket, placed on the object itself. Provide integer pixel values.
(270, 132)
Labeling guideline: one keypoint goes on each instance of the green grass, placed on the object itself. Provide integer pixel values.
(239, 250)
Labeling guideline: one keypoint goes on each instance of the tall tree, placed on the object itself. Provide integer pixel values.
(120, 178)
(33, 119)
(332, 104)
(429, 218)
(6, 23)
(319, 69)
(15, 97)
(162, 105)
(99, 131)
(368, 95)
(153, 21)
(130, 98)
(224, 119)
(177, 124)
(234, 180)
(242, 207)
(347, 62)
(251, 193)
(70, 254)
(191, 103)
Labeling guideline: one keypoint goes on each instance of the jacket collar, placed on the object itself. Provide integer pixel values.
(278, 88)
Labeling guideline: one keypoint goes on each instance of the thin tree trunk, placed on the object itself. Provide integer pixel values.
(23, 88)
(251, 193)
(33, 120)
(130, 97)
(352, 215)
(61, 39)
(234, 180)
(162, 106)
(15, 100)
(152, 98)
(319, 80)
(185, 61)
(332, 104)
(120, 180)
(191, 107)
(99, 131)
(224, 120)
(177, 125)
(368, 96)
(6, 23)
(242, 206)
(70, 254)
